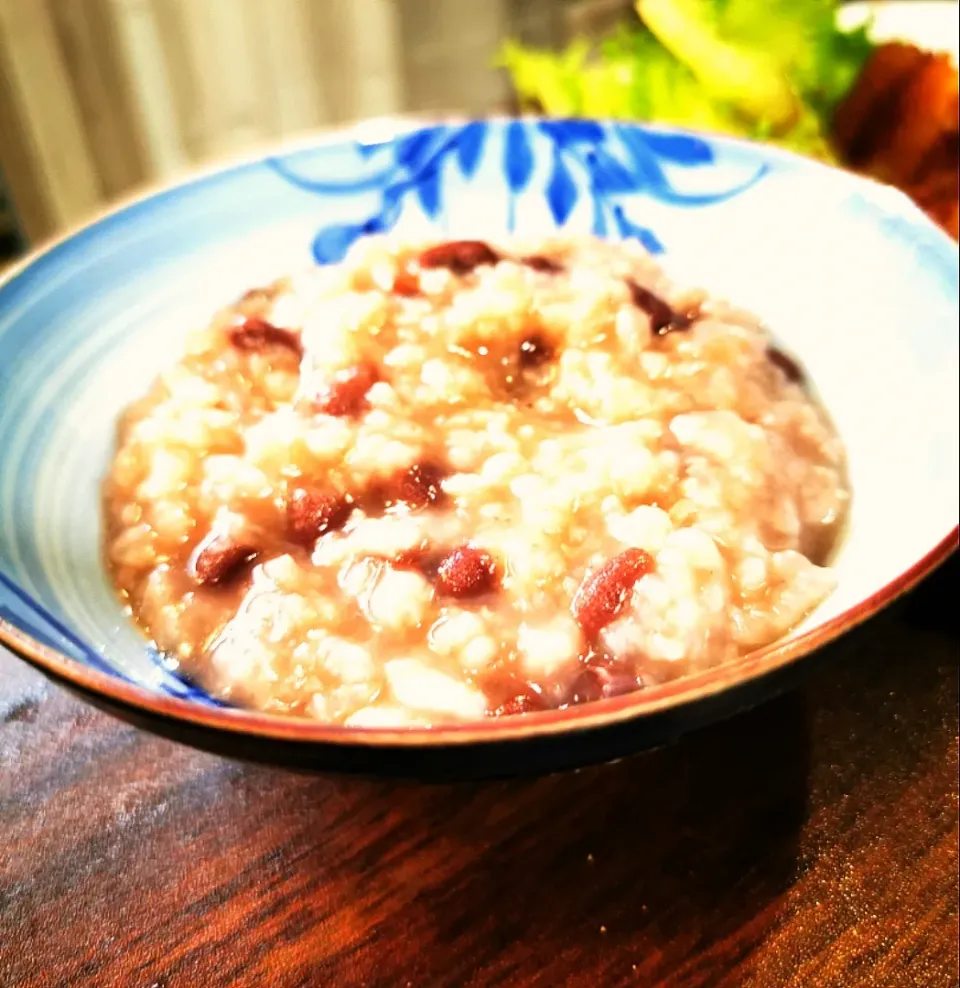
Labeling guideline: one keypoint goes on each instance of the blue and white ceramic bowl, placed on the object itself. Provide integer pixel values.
(849, 274)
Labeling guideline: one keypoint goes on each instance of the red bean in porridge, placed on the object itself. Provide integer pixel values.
(440, 482)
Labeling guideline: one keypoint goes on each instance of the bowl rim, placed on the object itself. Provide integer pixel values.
(681, 692)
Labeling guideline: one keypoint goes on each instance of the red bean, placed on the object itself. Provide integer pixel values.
(603, 594)
(535, 351)
(219, 558)
(467, 571)
(788, 366)
(663, 317)
(311, 513)
(545, 265)
(347, 392)
(420, 486)
(459, 256)
(255, 334)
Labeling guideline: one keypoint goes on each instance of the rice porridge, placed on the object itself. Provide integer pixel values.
(442, 482)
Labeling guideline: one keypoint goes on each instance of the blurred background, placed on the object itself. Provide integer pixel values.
(99, 98)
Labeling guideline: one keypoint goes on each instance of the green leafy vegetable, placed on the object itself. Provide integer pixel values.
(767, 69)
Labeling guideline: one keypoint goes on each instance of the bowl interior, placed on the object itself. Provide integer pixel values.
(849, 275)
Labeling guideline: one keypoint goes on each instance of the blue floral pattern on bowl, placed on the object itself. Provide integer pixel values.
(604, 164)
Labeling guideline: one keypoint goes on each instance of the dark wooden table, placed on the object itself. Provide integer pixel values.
(810, 842)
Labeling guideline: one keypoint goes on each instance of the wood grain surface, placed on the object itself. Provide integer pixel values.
(811, 842)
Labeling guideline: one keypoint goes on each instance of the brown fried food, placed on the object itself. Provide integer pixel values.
(935, 183)
(899, 125)
(860, 120)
